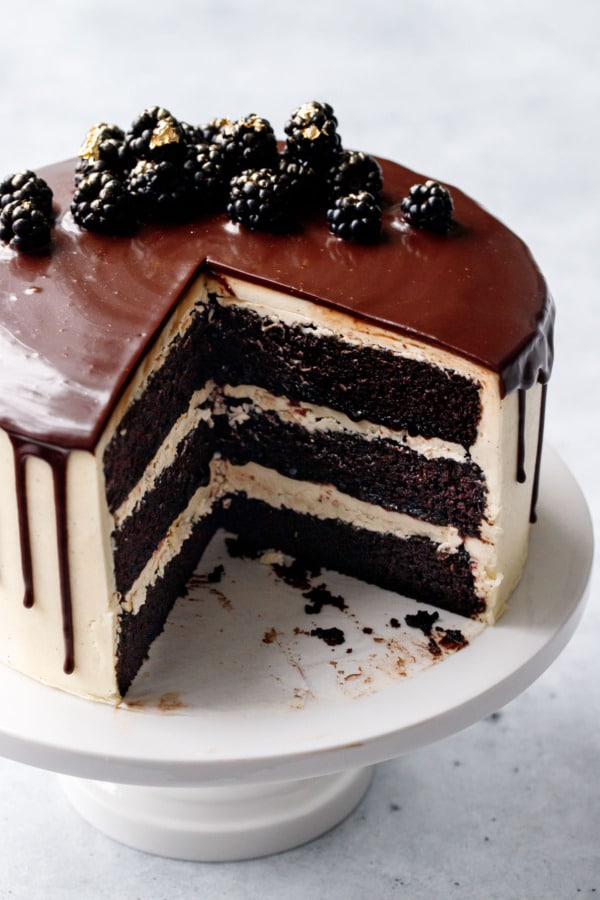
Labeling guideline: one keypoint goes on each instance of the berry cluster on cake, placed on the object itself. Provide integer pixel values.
(314, 349)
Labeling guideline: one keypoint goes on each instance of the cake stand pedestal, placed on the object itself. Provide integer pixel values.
(216, 824)
(273, 740)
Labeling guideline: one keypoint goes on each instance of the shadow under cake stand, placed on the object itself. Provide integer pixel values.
(246, 733)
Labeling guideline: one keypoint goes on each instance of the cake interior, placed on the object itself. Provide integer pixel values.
(307, 431)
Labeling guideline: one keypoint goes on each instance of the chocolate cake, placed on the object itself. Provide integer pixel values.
(372, 408)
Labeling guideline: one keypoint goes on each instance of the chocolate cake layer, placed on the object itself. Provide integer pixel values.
(412, 565)
(364, 382)
(142, 531)
(149, 418)
(138, 630)
(380, 471)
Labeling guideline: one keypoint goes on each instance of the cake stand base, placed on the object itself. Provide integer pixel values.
(217, 824)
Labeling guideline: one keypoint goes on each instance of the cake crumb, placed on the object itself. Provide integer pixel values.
(434, 647)
(269, 636)
(216, 575)
(332, 636)
(297, 573)
(453, 639)
(423, 620)
(321, 596)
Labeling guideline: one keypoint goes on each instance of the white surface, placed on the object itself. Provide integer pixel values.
(500, 98)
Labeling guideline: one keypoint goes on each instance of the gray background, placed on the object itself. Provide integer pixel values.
(501, 98)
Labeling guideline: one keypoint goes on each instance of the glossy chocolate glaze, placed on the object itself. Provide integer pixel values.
(74, 324)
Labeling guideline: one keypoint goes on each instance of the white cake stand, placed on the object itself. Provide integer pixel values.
(246, 735)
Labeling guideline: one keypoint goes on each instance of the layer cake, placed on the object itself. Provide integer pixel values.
(375, 409)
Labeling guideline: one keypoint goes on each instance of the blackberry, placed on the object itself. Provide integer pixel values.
(207, 133)
(204, 171)
(26, 186)
(354, 171)
(104, 149)
(249, 143)
(160, 190)
(302, 178)
(25, 226)
(260, 200)
(355, 217)
(85, 167)
(156, 135)
(428, 206)
(102, 203)
(191, 134)
(312, 135)
(13, 183)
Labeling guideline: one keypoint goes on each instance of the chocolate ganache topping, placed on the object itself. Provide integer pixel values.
(75, 323)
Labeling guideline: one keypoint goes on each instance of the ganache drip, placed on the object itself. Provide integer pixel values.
(521, 473)
(57, 459)
(538, 459)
